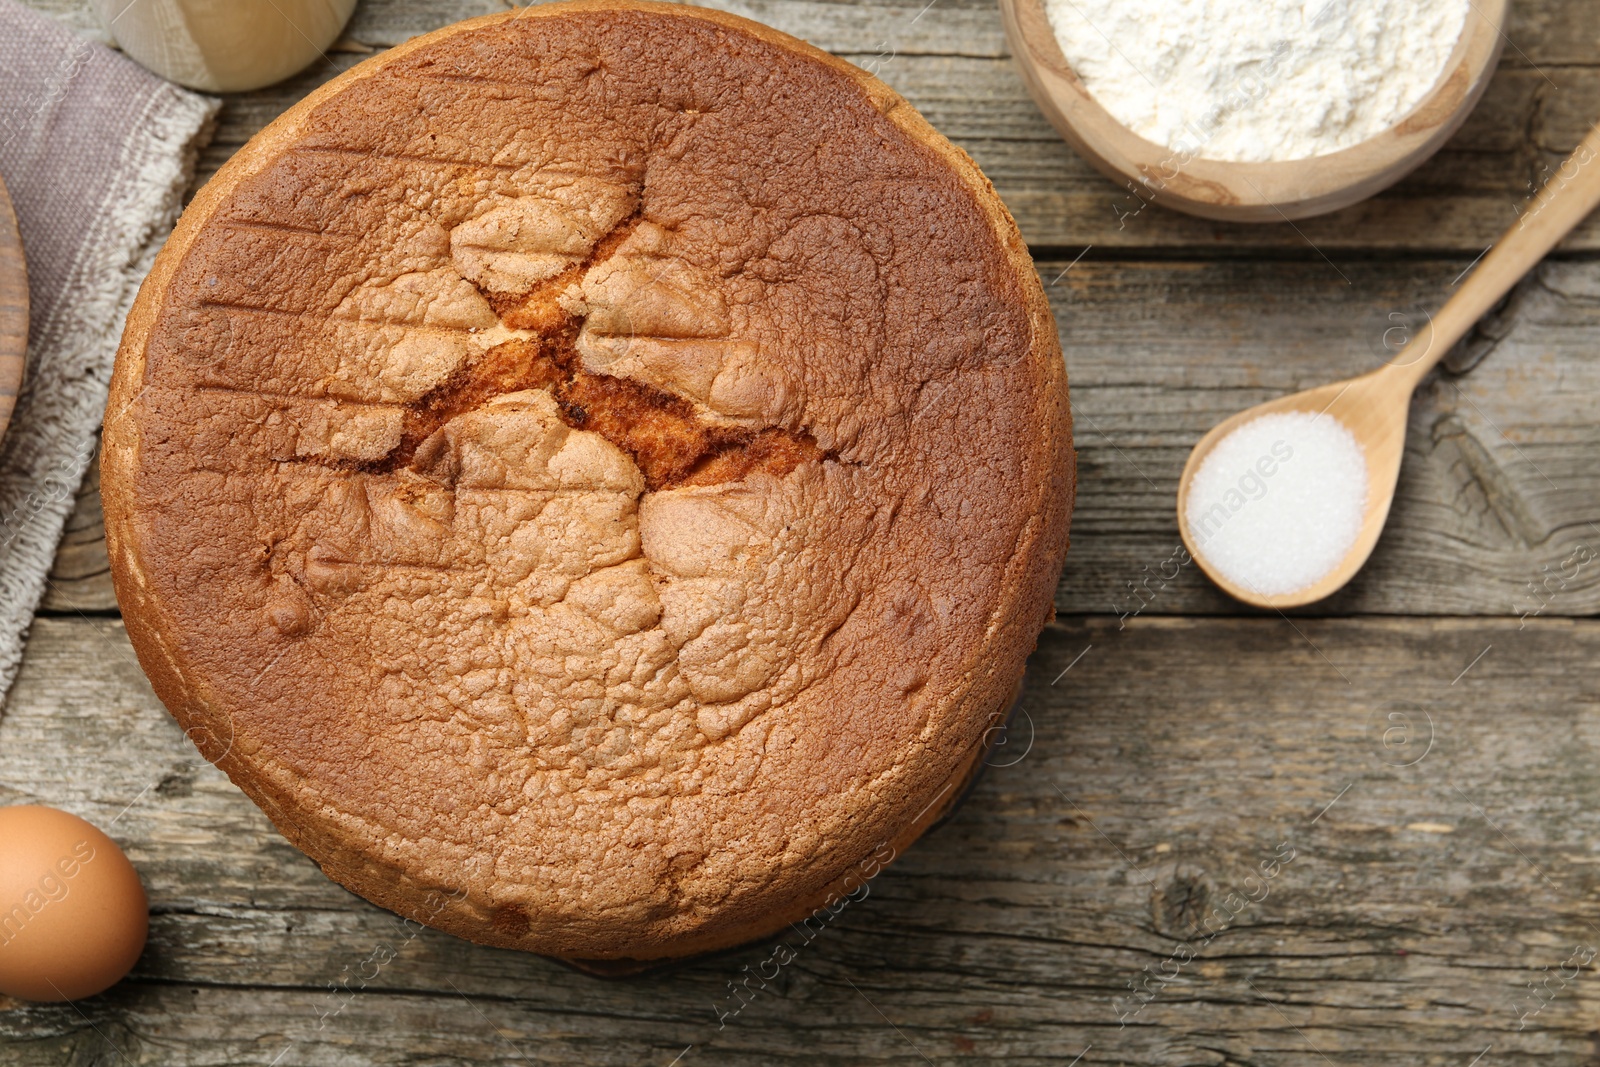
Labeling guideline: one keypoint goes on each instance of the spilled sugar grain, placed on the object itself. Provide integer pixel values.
(1279, 501)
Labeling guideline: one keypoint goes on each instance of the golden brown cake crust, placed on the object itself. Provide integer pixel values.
(592, 475)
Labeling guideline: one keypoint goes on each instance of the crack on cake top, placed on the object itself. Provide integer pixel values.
(672, 443)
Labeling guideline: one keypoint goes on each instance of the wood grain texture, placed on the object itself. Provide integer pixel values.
(80, 579)
(1433, 775)
(1498, 504)
(1375, 406)
(13, 310)
(1442, 840)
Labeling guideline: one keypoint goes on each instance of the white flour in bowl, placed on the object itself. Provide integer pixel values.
(1258, 81)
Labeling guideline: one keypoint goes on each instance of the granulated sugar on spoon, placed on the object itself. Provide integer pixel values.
(1282, 504)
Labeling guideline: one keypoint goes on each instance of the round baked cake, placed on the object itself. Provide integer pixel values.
(593, 475)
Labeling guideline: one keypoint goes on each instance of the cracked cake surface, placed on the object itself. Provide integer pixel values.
(592, 475)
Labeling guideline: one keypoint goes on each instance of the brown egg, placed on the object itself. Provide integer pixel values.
(73, 916)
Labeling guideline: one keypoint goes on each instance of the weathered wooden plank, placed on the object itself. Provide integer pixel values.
(1434, 833)
(80, 579)
(1501, 481)
(1498, 509)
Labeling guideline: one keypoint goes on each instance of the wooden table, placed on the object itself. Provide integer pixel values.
(1413, 761)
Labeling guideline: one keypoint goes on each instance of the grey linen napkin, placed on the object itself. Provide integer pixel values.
(96, 153)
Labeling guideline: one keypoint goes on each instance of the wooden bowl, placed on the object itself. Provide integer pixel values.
(1253, 192)
(13, 310)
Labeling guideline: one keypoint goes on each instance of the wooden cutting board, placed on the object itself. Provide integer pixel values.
(13, 310)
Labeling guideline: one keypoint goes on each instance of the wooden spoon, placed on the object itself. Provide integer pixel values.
(1375, 406)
